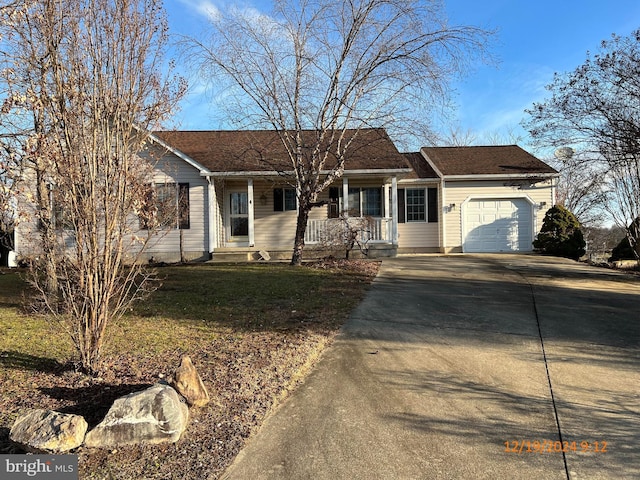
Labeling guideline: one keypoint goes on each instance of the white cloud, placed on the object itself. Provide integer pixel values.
(205, 8)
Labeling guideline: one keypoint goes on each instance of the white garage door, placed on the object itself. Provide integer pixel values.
(497, 225)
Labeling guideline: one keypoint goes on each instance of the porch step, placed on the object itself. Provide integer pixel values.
(245, 256)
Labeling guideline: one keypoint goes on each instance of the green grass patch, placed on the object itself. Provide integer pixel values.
(252, 330)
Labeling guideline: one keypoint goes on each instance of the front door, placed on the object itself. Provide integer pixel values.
(238, 231)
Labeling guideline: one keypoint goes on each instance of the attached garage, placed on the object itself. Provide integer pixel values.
(497, 225)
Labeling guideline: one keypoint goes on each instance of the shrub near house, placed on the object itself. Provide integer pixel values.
(561, 234)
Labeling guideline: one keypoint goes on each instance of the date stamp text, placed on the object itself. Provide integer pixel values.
(551, 446)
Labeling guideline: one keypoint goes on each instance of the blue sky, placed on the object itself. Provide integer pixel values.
(534, 39)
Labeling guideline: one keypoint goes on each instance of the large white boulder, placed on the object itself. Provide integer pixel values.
(155, 415)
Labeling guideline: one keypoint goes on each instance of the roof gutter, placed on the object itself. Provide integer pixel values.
(500, 176)
(274, 173)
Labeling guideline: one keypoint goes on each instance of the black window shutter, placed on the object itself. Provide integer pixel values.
(432, 204)
(183, 206)
(401, 209)
(278, 200)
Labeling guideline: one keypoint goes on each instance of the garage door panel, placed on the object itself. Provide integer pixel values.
(497, 225)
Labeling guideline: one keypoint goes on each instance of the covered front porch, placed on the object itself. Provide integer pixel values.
(257, 218)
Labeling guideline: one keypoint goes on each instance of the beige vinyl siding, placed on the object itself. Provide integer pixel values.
(165, 245)
(457, 192)
(418, 236)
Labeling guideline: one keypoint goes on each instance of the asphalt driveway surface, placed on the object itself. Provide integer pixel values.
(469, 367)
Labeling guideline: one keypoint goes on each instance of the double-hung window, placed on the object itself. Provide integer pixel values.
(417, 205)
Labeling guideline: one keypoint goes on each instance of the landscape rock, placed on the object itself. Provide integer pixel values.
(189, 384)
(155, 415)
(46, 431)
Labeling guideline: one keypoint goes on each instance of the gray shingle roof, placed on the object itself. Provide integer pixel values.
(263, 151)
(489, 160)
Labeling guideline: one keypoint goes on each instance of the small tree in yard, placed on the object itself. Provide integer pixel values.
(332, 67)
(84, 86)
(561, 234)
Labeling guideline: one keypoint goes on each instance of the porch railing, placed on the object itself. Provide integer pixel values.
(333, 231)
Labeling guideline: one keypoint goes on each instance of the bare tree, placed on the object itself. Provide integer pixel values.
(85, 85)
(457, 137)
(580, 189)
(596, 109)
(333, 67)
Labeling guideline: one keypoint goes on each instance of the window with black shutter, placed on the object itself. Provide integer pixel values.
(417, 205)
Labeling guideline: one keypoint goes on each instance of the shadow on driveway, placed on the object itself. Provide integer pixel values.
(443, 363)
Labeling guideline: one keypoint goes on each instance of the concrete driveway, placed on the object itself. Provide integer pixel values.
(469, 367)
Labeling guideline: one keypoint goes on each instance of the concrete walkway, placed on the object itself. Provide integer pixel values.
(441, 374)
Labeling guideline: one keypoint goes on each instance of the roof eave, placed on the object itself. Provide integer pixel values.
(275, 173)
(204, 171)
(503, 176)
(431, 163)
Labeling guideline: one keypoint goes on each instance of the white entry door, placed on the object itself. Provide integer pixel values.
(497, 225)
(238, 217)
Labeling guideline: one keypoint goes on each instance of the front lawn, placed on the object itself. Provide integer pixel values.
(252, 331)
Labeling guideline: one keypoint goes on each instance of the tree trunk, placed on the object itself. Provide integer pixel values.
(301, 228)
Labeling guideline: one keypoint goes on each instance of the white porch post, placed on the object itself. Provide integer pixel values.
(443, 217)
(386, 207)
(394, 210)
(345, 196)
(211, 214)
(250, 211)
(386, 210)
